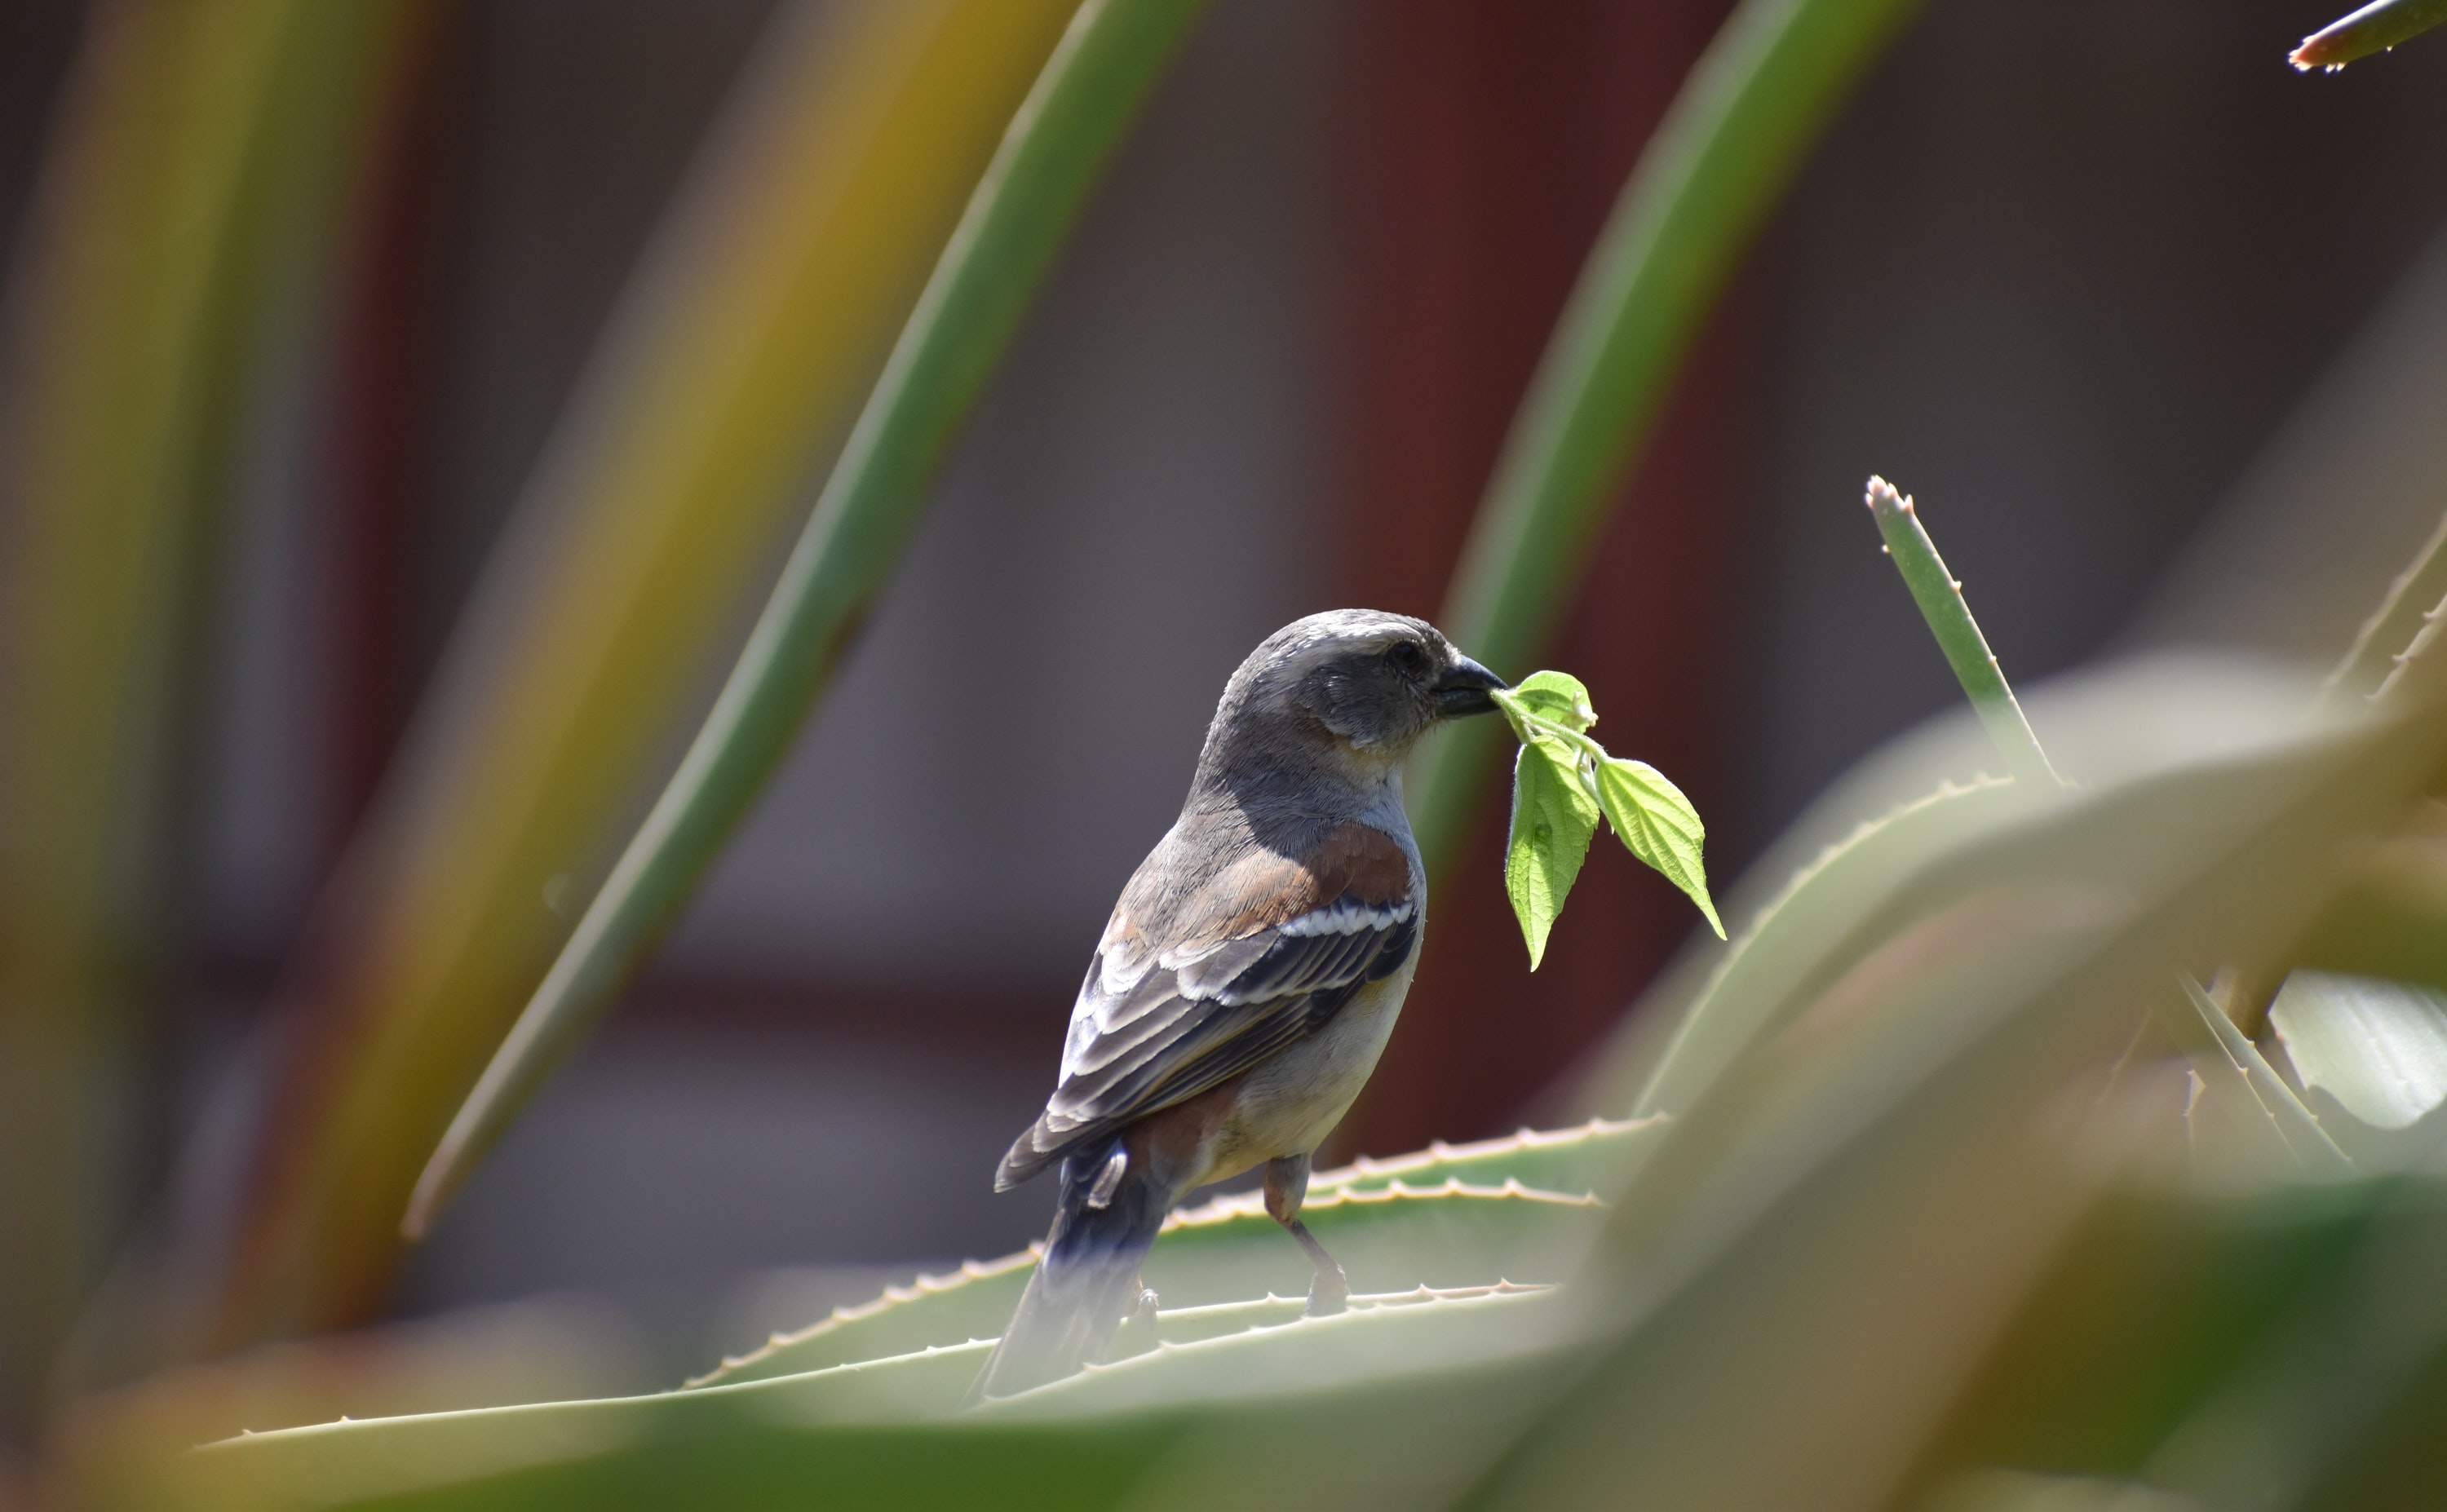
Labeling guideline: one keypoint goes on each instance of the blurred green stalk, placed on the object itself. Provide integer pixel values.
(1718, 164)
(1059, 140)
(749, 332)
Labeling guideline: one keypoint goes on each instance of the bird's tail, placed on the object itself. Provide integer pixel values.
(1089, 1277)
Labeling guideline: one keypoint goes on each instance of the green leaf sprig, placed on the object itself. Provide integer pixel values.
(1562, 781)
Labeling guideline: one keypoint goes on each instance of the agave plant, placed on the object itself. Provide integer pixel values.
(1952, 1182)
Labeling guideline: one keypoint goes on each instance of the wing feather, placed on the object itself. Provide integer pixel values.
(1261, 956)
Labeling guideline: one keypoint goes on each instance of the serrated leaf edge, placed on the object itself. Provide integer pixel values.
(1367, 1168)
(1218, 1212)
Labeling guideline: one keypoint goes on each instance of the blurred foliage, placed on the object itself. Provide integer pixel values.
(198, 162)
(1956, 1218)
(756, 324)
(1951, 1186)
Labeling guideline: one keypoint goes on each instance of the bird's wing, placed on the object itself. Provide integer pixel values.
(1260, 956)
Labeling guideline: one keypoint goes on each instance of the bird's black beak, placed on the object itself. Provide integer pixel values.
(1463, 691)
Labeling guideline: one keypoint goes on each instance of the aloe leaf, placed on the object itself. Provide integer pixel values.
(1939, 593)
(1309, 1354)
(2410, 601)
(932, 1312)
(2160, 1300)
(2374, 28)
(2387, 919)
(1734, 138)
(1553, 818)
(1389, 1239)
(1658, 825)
(1590, 1157)
(2380, 1048)
(2295, 1124)
(556, 1453)
(889, 1435)
(732, 366)
(1060, 138)
(1824, 917)
(1194, 1325)
(1878, 1191)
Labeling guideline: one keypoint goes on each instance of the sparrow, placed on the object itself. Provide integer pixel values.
(1248, 978)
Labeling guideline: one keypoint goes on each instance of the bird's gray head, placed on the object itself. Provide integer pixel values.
(1350, 689)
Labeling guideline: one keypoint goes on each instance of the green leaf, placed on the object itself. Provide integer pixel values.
(1658, 824)
(1553, 818)
(1514, 1209)
(1934, 1063)
(1557, 696)
(2400, 617)
(890, 1434)
(1800, 938)
(2378, 1047)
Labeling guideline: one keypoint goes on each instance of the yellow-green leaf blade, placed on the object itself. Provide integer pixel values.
(1553, 818)
(1658, 825)
(1559, 697)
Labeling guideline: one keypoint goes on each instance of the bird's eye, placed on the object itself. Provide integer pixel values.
(1407, 658)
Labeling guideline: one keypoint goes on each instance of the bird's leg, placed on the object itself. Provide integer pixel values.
(1286, 1188)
